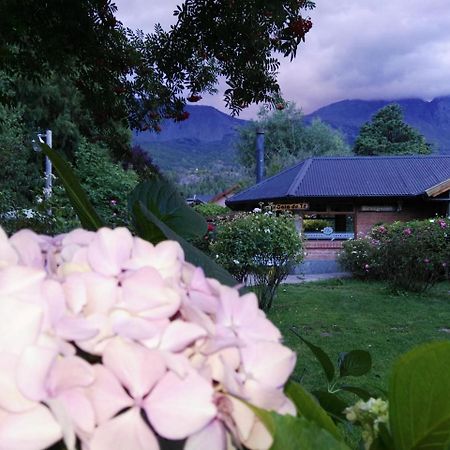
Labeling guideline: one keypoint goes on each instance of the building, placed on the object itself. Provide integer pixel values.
(349, 195)
(218, 199)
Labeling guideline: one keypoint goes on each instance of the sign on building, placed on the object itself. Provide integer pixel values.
(290, 206)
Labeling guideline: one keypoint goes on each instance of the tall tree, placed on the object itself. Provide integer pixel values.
(388, 134)
(128, 76)
(288, 139)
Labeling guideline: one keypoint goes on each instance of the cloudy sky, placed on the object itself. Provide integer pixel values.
(367, 49)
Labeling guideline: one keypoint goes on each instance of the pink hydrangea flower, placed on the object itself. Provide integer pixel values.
(104, 333)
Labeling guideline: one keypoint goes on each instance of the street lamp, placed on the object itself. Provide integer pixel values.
(48, 164)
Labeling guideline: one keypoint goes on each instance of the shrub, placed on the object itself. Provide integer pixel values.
(414, 255)
(410, 256)
(360, 257)
(211, 210)
(106, 183)
(259, 249)
(315, 225)
(214, 214)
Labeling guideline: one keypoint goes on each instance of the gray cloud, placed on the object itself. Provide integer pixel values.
(369, 49)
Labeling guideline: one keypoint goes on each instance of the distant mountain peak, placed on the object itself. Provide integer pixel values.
(205, 124)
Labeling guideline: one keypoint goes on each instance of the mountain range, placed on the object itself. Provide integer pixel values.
(207, 138)
(432, 119)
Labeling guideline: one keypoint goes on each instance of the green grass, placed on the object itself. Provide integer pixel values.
(342, 315)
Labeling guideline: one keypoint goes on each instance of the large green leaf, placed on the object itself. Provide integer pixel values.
(333, 404)
(85, 211)
(321, 356)
(164, 202)
(146, 220)
(297, 433)
(355, 363)
(419, 398)
(309, 408)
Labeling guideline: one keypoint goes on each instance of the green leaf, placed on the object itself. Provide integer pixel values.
(308, 407)
(361, 393)
(355, 363)
(85, 211)
(419, 398)
(320, 355)
(147, 220)
(331, 403)
(385, 437)
(297, 433)
(163, 201)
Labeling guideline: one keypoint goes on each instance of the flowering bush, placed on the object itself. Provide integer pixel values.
(410, 256)
(360, 257)
(109, 341)
(259, 249)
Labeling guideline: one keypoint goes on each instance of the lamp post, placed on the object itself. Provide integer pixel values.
(48, 164)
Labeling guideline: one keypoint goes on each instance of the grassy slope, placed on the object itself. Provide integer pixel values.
(342, 315)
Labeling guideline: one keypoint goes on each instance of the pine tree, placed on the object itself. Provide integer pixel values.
(388, 134)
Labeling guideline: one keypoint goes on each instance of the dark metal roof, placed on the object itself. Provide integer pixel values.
(355, 176)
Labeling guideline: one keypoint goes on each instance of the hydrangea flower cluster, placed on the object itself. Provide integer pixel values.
(112, 342)
(369, 415)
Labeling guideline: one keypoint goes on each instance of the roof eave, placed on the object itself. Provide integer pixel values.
(438, 189)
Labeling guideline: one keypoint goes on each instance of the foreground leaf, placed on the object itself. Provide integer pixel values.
(419, 398)
(164, 202)
(308, 407)
(297, 433)
(354, 363)
(85, 211)
(320, 355)
(331, 403)
(146, 219)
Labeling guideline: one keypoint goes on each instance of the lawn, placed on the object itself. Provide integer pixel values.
(342, 315)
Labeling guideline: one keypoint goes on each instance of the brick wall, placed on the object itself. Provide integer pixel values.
(365, 220)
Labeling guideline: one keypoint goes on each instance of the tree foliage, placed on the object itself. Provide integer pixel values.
(74, 68)
(288, 139)
(234, 38)
(125, 75)
(388, 134)
(20, 179)
(21, 182)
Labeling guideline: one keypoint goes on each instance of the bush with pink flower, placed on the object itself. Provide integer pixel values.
(115, 343)
(410, 256)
